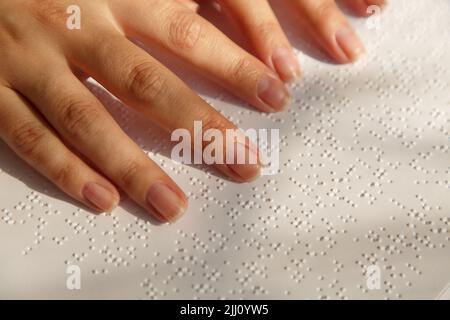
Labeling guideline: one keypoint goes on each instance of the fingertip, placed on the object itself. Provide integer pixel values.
(349, 44)
(101, 196)
(286, 64)
(246, 172)
(272, 92)
(166, 202)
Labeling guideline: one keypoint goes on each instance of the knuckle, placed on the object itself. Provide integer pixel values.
(185, 30)
(78, 117)
(266, 29)
(214, 121)
(241, 70)
(11, 31)
(128, 173)
(325, 11)
(63, 174)
(26, 139)
(145, 81)
(48, 12)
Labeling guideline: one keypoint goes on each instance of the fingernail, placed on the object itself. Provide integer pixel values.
(380, 3)
(286, 64)
(168, 204)
(246, 159)
(273, 92)
(102, 198)
(349, 43)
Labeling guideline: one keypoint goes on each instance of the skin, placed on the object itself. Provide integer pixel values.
(54, 123)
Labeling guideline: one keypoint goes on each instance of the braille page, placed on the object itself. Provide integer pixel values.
(358, 209)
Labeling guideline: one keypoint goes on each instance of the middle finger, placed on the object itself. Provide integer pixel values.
(140, 81)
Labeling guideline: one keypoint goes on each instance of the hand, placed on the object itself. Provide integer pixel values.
(51, 120)
(323, 20)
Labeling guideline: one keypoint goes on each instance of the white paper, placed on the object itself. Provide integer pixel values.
(360, 208)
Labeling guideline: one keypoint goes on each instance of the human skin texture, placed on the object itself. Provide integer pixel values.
(54, 123)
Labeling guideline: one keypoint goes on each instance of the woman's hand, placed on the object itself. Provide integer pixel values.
(50, 119)
(54, 123)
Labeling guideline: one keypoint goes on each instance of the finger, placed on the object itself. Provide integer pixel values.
(257, 20)
(30, 137)
(363, 7)
(80, 118)
(140, 81)
(199, 43)
(330, 28)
